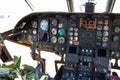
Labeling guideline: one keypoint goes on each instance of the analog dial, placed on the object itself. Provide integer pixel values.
(44, 25)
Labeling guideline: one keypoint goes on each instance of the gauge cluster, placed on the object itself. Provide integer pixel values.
(52, 31)
(55, 31)
(85, 30)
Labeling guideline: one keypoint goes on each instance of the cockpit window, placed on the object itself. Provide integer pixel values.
(49, 5)
(11, 11)
(116, 8)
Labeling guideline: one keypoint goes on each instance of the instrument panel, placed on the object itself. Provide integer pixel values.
(89, 40)
(83, 30)
(55, 31)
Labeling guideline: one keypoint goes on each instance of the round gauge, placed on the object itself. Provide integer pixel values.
(70, 38)
(61, 32)
(117, 29)
(76, 38)
(71, 28)
(70, 33)
(70, 42)
(54, 31)
(105, 33)
(105, 39)
(106, 27)
(104, 44)
(99, 33)
(54, 39)
(54, 22)
(44, 25)
(61, 40)
(99, 27)
(76, 29)
(34, 31)
(76, 34)
(115, 38)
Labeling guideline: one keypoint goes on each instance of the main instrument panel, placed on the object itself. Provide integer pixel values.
(87, 39)
(71, 29)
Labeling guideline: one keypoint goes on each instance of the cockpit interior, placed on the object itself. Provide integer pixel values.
(85, 36)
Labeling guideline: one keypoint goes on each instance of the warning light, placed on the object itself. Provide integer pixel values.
(88, 23)
(84, 22)
(91, 23)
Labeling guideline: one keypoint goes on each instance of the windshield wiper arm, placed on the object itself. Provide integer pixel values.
(30, 5)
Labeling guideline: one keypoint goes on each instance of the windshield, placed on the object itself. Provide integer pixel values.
(11, 11)
(49, 6)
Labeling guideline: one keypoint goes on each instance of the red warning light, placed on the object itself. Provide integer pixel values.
(84, 22)
(91, 22)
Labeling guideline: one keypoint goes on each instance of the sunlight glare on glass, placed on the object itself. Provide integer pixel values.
(50, 5)
(11, 11)
(116, 8)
